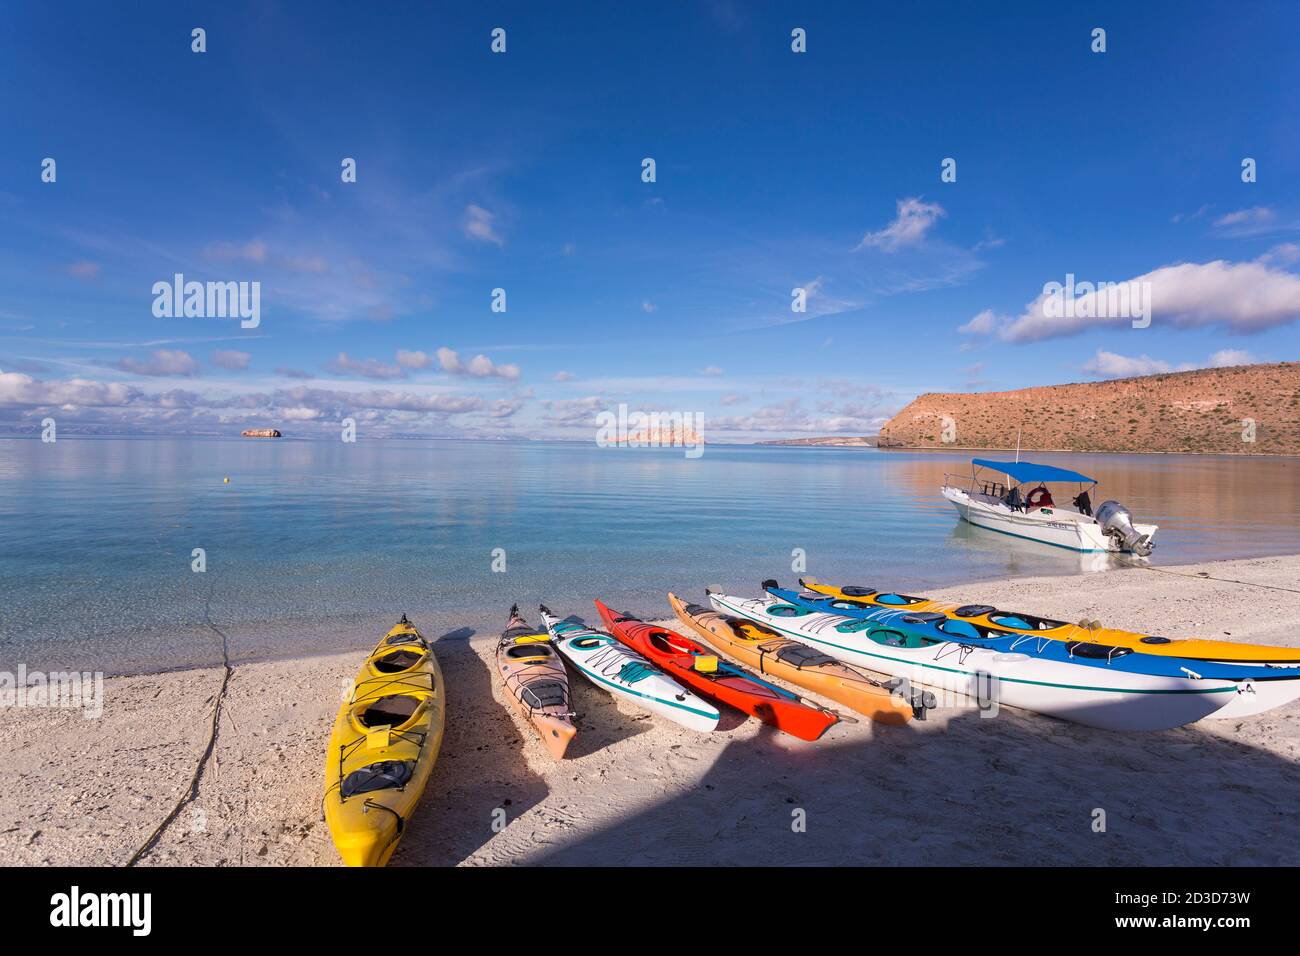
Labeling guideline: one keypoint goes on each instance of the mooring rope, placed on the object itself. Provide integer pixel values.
(1209, 577)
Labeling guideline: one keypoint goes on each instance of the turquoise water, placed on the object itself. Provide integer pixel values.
(313, 544)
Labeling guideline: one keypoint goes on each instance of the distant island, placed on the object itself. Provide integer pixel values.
(261, 433)
(664, 437)
(1239, 410)
(834, 441)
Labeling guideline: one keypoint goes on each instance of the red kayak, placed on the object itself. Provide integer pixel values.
(731, 685)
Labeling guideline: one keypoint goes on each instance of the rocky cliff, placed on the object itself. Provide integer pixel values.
(1242, 410)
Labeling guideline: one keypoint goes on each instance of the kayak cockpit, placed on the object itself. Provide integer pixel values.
(663, 641)
(885, 635)
(397, 661)
(1023, 622)
(395, 710)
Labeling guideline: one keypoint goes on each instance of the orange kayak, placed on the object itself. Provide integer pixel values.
(535, 679)
(800, 664)
(1195, 648)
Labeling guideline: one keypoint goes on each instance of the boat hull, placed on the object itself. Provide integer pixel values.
(1047, 526)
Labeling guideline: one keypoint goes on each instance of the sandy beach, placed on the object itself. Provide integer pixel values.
(954, 789)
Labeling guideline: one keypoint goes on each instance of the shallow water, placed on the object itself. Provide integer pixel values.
(312, 540)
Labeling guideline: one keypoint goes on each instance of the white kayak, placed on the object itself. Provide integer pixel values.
(1095, 696)
(616, 668)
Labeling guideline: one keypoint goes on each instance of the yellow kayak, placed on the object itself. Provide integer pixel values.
(1195, 648)
(383, 748)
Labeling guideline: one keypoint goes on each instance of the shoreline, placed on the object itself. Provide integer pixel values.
(955, 788)
(337, 632)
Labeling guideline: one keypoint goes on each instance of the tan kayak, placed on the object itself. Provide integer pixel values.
(535, 679)
(801, 665)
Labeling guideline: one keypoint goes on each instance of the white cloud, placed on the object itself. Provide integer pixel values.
(299, 403)
(1254, 216)
(413, 360)
(647, 306)
(1240, 296)
(505, 407)
(573, 411)
(450, 361)
(19, 389)
(345, 364)
(1187, 217)
(564, 376)
(480, 366)
(161, 362)
(1227, 357)
(711, 370)
(791, 417)
(982, 324)
(1112, 365)
(913, 220)
(300, 413)
(231, 359)
(1285, 253)
(478, 225)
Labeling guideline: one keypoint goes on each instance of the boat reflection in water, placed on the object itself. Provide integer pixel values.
(1021, 557)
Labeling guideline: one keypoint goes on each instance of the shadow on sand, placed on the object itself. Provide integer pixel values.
(1016, 789)
(480, 767)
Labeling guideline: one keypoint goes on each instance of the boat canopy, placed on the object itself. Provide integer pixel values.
(1027, 471)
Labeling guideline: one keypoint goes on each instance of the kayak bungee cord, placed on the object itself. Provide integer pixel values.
(387, 682)
(516, 681)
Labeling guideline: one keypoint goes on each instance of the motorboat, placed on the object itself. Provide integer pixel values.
(1014, 497)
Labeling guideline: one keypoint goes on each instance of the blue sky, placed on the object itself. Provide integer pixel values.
(522, 171)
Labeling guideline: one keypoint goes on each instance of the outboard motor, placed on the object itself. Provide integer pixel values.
(1116, 521)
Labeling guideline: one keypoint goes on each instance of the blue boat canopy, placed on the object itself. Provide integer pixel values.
(1027, 471)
